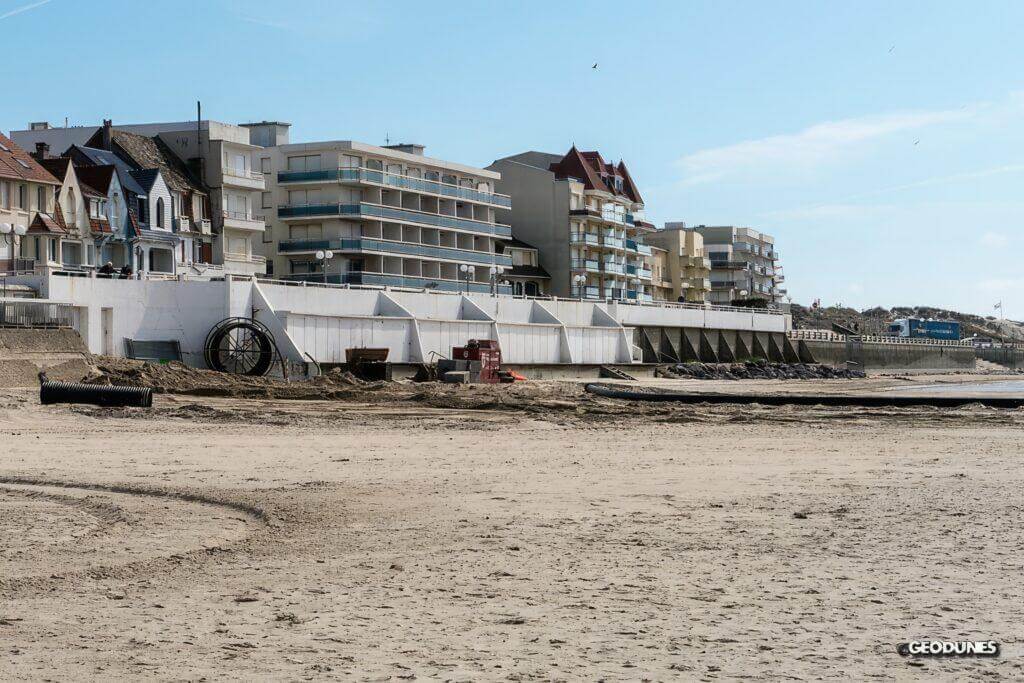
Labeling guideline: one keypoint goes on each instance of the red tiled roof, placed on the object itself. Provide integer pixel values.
(16, 164)
(596, 173)
(43, 224)
(99, 226)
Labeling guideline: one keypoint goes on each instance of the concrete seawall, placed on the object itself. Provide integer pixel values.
(871, 355)
(1010, 357)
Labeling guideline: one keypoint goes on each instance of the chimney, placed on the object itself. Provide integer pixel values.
(107, 124)
(42, 151)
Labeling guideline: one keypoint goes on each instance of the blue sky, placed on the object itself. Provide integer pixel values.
(880, 142)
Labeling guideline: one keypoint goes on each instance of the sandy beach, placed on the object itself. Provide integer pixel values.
(394, 540)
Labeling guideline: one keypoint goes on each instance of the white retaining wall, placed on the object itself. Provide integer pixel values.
(321, 322)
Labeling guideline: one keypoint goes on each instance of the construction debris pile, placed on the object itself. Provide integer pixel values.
(757, 369)
(177, 378)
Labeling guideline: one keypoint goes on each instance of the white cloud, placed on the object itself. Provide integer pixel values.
(24, 8)
(810, 147)
(994, 240)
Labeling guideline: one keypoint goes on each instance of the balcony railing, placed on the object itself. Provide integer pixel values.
(613, 242)
(729, 265)
(366, 175)
(584, 238)
(388, 247)
(586, 264)
(410, 281)
(587, 292)
(611, 267)
(35, 314)
(242, 173)
(378, 212)
(644, 273)
(17, 265)
(241, 216)
(633, 245)
(630, 269)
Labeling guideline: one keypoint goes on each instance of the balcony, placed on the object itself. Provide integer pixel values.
(203, 224)
(374, 177)
(412, 282)
(243, 178)
(612, 242)
(729, 265)
(244, 264)
(584, 238)
(181, 224)
(633, 245)
(388, 213)
(644, 273)
(587, 292)
(612, 267)
(239, 220)
(591, 265)
(387, 247)
(630, 269)
(724, 284)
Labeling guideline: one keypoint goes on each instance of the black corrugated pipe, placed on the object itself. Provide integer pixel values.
(878, 401)
(76, 392)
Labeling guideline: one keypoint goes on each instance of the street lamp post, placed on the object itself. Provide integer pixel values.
(324, 257)
(579, 281)
(469, 272)
(495, 271)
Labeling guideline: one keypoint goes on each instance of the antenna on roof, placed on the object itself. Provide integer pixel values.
(387, 140)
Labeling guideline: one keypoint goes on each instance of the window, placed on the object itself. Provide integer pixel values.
(22, 197)
(264, 164)
(23, 163)
(304, 163)
(53, 249)
(142, 210)
(350, 161)
(41, 198)
(305, 267)
(268, 236)
(160, 212)
(306, 232)
(303, 197)
(5, 194)
(266, 200)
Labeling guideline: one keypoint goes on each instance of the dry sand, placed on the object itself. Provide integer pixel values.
(413, 537)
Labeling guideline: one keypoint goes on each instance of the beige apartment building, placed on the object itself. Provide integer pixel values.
(687, 268)
(29, 236)
(349, 212)
(585, 217)
(744, 264)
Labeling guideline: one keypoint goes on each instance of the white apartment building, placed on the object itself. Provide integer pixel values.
(386, 216)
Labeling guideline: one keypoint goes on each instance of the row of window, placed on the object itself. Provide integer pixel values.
(314, 162)
(17, 196)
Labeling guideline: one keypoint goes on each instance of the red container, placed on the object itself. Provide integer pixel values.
(484, 350)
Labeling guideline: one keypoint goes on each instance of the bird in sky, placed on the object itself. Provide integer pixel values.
(595, 66)
(915, 142)
(892, 48)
